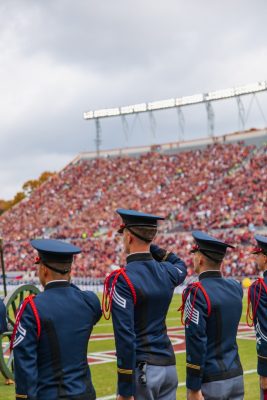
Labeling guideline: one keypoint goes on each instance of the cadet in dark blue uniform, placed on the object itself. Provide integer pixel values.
(212, 310)
(140, 295)
(52, 331)
(3, 322)
(4, 328)
(257, 297)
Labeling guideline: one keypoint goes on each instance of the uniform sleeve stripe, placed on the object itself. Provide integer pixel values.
(21, 333)
(193, 366)
(118, 299)
(18, 341)
(258, 329)
(125, 371)
(21, 330)
(21, 396)
(265, 358)
(193, 314)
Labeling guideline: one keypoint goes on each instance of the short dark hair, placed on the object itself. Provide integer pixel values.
(146, 232)
(56, 268)
(213, 264)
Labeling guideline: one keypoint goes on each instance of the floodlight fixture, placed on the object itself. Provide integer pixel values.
(177, 102)
(159, 105)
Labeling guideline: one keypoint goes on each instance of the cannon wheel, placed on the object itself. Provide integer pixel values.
(12, 302)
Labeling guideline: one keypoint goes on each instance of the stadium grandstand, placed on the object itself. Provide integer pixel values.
(217, 184)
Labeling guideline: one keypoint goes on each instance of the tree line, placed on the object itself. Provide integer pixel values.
(27, 189)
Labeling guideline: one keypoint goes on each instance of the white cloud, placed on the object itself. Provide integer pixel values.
(17, 171)
(60, 58)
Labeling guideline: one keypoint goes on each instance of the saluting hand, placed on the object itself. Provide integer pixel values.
(119, 397)
(157, 252)
(263, 382)
(194, 395)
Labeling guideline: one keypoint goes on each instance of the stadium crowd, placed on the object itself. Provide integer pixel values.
(220, 187)
(102, 253)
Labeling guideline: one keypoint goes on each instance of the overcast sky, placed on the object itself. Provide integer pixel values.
(60, 58)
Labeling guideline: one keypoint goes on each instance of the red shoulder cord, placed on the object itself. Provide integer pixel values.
(252, 311)
(197, 286)
(108, 292)
(28, 300)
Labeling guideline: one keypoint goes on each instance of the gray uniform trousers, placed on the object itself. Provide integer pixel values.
(228, 389)
(161, 383)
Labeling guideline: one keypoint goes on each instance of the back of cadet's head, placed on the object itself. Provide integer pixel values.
(211, 264)
(147, 233)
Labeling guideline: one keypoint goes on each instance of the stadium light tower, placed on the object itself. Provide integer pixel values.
(177, 103)
(241, 112)
(125, 127)
(181, 122)
(98, 136)
(211, 118)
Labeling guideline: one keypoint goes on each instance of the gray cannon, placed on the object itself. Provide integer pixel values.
(12, 302)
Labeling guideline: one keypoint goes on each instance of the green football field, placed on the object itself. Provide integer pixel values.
(103, 366)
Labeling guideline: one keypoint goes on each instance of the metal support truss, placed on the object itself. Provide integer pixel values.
(241, 114)
(98, 136)
(153, 123)
(181, 122)
(125, 127)
(210, 116)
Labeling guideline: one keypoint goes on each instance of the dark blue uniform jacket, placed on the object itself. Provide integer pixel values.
(140, 330)
(55, 366)
(3, 323)
(211, 348)
(260, 324)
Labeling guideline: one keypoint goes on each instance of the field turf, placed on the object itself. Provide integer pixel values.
(104, 375)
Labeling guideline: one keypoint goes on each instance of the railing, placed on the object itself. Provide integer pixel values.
(96, 285)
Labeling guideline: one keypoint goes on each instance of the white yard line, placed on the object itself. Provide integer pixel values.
(182, 384)
(246, 337)
(250, 371)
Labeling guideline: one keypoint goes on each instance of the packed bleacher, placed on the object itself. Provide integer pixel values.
(222, 187)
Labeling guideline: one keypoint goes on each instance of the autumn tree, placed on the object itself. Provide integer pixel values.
(27, 189)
